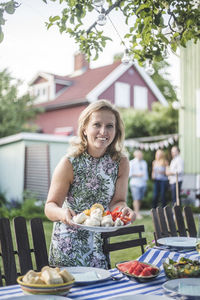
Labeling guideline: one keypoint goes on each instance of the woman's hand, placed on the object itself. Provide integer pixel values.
(69, 214)
(126, 211)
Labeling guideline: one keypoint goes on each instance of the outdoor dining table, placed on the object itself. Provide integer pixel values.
(124, 286)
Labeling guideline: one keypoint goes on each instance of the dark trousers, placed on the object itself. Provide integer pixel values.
(173, 191)
(159, 190)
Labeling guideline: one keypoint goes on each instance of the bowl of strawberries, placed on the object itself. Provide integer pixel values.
(137, 270)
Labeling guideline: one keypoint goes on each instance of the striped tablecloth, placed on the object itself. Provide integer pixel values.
(111, 288)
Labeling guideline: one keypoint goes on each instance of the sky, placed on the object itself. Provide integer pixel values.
(28, 47)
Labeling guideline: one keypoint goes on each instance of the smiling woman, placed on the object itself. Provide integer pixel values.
(94, 171)
(100, 132)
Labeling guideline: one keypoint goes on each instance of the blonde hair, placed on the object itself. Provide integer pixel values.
(79, 144)
(162, 160)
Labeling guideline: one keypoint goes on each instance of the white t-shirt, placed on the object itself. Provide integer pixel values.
(176, 166)
(138, 167)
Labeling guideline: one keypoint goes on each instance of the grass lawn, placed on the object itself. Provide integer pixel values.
(120, 255)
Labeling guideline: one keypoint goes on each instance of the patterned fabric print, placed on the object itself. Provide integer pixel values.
(94, 182)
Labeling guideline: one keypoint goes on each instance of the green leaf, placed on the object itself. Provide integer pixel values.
(2, 21)
(48, 25)
(10, 7)
(72, 20)
(141, 7)
(127, 35)
(174, 46)
(164, 39)
(1, 36)
(53, 19)
(140, 27)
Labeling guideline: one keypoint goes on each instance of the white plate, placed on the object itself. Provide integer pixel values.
(87, 275)
(178, 242)
(39, 297)
(185, 287)
(138, 297)
(100, 228)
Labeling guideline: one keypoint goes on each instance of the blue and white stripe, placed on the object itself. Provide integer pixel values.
(111, 288)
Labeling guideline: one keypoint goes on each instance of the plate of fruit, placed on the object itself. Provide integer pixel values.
(140, 271)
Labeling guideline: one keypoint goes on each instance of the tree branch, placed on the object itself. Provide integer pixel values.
(116, 4)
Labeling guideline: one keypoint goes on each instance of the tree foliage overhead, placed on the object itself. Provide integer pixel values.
(8, 7)
(154, 26)
(16, 112)
(160, 77)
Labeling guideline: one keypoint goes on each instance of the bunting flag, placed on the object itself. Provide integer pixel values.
(152, 143)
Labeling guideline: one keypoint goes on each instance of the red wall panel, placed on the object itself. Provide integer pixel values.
(48, 121)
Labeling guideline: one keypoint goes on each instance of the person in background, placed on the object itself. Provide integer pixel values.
(138, 180)
(159, 166)
(176, 168)
(95, 170)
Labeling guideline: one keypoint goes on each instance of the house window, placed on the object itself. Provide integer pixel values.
(198, 113)
(140, 97)
(122, 94)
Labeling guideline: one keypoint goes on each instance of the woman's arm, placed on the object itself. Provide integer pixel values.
(60, 183)
(153, 173)
(121, 187)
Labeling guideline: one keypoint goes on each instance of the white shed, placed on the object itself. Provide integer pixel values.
(27, 161)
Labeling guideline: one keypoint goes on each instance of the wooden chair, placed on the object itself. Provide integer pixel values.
(134, 242)
(17, 257)
(170, 221)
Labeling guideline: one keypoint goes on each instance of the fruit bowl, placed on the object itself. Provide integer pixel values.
(61, 289)
(184, 268)
(139, 271)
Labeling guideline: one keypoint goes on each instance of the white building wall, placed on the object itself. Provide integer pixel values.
(12, 170)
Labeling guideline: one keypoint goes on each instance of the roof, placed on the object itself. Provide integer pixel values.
(33, 137)
(50, 77)
(81, 85)
(90, 84)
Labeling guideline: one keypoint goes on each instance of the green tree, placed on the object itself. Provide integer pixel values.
(160, 76)
(15, 111)
(153, 26)
(161, 120)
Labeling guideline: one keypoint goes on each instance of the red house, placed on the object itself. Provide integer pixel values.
(64, 97)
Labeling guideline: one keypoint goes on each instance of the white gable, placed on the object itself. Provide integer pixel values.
(43, 91)
(115, 74)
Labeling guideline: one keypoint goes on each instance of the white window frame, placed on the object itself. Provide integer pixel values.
(122, 94)
(140, 94)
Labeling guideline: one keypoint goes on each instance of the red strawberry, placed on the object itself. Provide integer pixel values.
(146, 272)
(138, 269)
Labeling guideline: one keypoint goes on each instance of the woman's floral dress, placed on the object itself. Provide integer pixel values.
(94, 182)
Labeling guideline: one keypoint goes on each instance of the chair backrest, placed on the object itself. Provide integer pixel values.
(170, 221)
(17, 257)
(133, 242)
